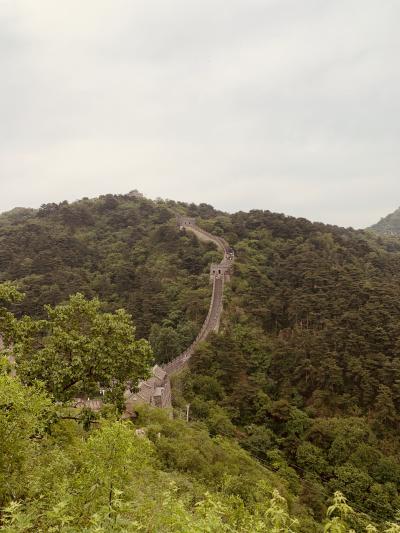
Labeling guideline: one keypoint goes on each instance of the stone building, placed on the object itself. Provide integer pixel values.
(135, 194)
(154, 391)
(220, 269)
(184, 222)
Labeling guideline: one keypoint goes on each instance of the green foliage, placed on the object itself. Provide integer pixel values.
(110, 479)
(25, 414)
(108, 462)
(337, 515)
(78, 347)
(124, 250)
(9, 294)
(307, 360)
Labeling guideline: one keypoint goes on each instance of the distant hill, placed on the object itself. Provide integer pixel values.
(389, 225)
(16, 215)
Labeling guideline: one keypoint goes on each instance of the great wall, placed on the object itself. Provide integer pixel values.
(156, 390)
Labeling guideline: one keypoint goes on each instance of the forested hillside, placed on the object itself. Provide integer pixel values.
(389, 225)
(304, 374)
(125, 250)
(307, 367)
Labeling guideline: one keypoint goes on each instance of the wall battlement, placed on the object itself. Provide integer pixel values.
(220, 269)
(184, 222)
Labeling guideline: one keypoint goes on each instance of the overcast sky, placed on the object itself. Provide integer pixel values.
(286, 105)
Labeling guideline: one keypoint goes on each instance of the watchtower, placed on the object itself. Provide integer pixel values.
(135, 194)
(220, 269)
(184, 222)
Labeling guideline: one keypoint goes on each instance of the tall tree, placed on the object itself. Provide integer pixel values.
(79, 347)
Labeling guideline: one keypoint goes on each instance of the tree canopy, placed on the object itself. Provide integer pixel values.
(79, 347)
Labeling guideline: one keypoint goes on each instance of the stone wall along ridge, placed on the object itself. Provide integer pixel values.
(158, 392)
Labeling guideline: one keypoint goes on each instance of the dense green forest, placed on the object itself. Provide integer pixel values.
(307, 366)
(304, 375)
(125, 250)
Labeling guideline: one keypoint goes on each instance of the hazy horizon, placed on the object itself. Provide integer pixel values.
(188, 201)
(289, 105)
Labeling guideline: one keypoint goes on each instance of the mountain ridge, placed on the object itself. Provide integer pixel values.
(388, 225)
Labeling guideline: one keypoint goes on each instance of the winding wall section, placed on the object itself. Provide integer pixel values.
(157, 389)
(218, 275)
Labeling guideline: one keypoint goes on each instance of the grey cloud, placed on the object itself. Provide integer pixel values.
(287, 105)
